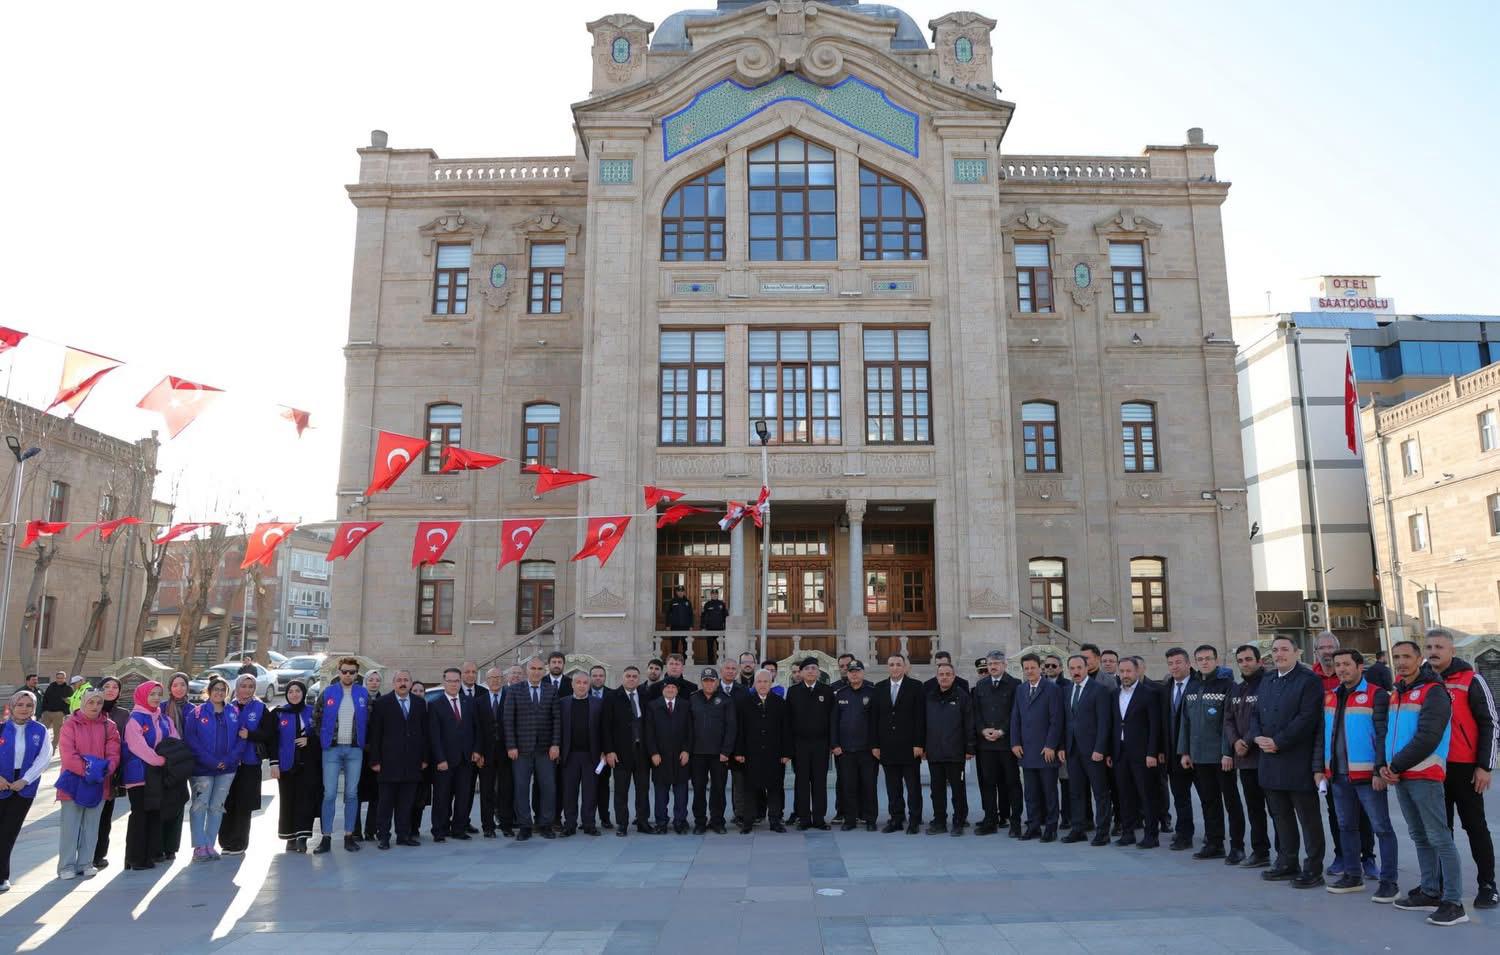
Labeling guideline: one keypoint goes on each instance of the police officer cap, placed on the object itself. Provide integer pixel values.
(995, 655)
(856, 665)
(709, 673)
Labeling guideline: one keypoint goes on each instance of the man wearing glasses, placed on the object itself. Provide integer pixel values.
(342, 715)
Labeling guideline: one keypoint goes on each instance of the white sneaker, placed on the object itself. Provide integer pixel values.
(69, 874)
(4, 885)
(90, 872)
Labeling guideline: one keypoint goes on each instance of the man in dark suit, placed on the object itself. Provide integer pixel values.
(1135, 739)
(625, 751)
(533, 738)
(811, 706)
(948, 747)
(497, 799)
(1175, 689)
(478, 697)
(1287, 725)
(579, 718)
(939, 658)
(396, 745)
(679, 619)
(1086, 726)
(739, 790)
(673, 674)
(453, 736)
(555, 680)
(763, 747)
(1036, 728)
(712, 746)
(900, 731)
(598, 689)
(999, 773)
(668, 735)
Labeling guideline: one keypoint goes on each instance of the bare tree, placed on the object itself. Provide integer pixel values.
(129, 474)
(263, 615)
(205, 555)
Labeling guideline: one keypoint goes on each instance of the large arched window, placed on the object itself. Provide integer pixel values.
(793, 202)
(692, 220)
(891, 222)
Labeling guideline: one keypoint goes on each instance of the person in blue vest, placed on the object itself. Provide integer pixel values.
(244, 792)
(148, 726)
(25, 750)
(1354, 720)
(296, 765)
(342, 715)
(212, 733)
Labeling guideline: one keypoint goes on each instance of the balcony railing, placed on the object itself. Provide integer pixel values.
(512, 169)
(707, 648)
(1084, 168)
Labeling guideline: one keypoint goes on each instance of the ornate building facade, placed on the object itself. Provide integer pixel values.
(999, 389)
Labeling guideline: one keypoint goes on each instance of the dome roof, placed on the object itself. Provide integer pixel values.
(672, 34)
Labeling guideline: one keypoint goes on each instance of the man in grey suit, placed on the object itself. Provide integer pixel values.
(1036, 725)
(533, 738)
(1086, 724)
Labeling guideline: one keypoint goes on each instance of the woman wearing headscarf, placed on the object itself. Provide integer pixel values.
(296, 765)
(176, 706)
(369, 786)
(119, 715)
(25, 750)
(213, 736)
(89, 744)
(244, 792)
(147, 727)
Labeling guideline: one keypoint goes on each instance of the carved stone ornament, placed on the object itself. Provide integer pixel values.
(985, 601)
(1101, 608)
(453, 224)
(1091, 268)
(1035, 220)
(606, 601)
(1125, 221)
(620, 42)
(502, 267)
(549, 226)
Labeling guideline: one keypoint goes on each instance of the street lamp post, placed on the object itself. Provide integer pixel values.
(14, 445)
(764, 433)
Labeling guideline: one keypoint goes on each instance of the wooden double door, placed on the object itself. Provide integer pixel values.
(899, 594)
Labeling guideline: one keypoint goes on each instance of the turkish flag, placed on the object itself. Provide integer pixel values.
(550, 479)
(462, 459)
(515, 537)
(179, 401)
(9, 338)
(261, 546)
(81, 372)
(349, 536)
(106, 528)
(35, 529)
(734, 512)
(433, 538)
(676, 513)
(394, 453)
(1351, 406)
(655, 495)
(602, 537)
(301, 420)
(758, 512)
(177, 530)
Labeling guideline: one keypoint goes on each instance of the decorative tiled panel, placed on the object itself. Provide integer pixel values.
(695, 288)
(616, 172)
(851, 101)
(888, 286)
(971, 170)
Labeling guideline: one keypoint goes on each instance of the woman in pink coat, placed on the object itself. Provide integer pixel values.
(87, 732)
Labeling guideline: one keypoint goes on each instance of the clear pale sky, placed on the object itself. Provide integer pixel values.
(174, 172)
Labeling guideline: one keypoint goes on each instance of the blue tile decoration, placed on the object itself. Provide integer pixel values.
(893, 285)
(616, 172)
(694, 288)
(971, 170)
(851, 101)
(619, 50)
(963, 50)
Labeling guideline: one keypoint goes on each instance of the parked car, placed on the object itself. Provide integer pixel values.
(265, 682)
(304, 668)
(277, 659)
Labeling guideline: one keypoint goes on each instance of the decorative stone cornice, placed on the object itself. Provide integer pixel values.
(548, 226)
(453, 224)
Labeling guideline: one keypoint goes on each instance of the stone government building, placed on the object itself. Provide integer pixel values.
(1000, 388)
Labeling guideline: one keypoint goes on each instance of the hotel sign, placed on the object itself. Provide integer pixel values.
(1350, 293)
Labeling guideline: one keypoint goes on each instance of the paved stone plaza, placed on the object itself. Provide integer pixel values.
(842, 892)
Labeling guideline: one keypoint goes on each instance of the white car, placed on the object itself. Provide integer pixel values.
(265, 681)
(278, 660)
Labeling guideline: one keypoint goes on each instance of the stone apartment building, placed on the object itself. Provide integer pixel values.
(81, 476)
(999, 389)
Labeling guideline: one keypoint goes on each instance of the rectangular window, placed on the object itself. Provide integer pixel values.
(97, 637)
(49, 614)
(1411, 457)
(546, 279)
(1138, 437)
(1049, 589)
(57, 501)
(1427, 608)
(450, 281)
(1416, 524)
(898, 390)
(1033, 277)
(1148, 594)
(435, 600)
(1493, 504)
(692, 387)
(793, 202)
(1489, 431)
(1039, 437)
(1127, 264)
(794, 384)
(444, 428)
(543, 423)
(106, 506)
(536, 595)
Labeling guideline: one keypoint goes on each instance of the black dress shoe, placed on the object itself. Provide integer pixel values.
(746, 828)
(1257, 861)
(958, 829)
(622, 831)
(935, 827)
(870, 826)
(409, 841)
(777, 826)
(1050, 835)
(101, 863)
(351, 844)
(680, 828)
(569, 831)
(914, 827)
(489, 833)
(1074, 836)
(1030, 834)
(849, 826)
(1128, 839)
(644, 827)
(591, 830)
(1235, 857)
(604, 822)
(1102, 839)
(460, 836)
(438, 838)
(986, 828)
(508, 831)
(471, 829)
(718, 829)
(523, 834)
(382, 843)
(820, 824)
(699, 828)
(893, 825)
(1308, 880)
(1178, 844)
(1278, 874)
(1014, 831)
(548, 832)
(324, 845)
(1209, 852)
(803, 825)
(1149, 843)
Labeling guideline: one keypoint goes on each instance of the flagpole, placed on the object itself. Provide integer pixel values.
(1312, 478)
(764, 434)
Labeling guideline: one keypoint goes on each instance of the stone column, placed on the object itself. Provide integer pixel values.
(737, 627)
(856, 625)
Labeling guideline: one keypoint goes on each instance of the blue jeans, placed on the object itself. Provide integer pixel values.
(207, 810)
(1427, 823)
(346, 760)
(1348, 798)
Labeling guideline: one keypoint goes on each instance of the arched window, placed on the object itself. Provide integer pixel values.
(692, 220)
(1148, 594)
(793, 202)
(891, 222)
(1039, 437)
(435, 598)
(543, 424)
(444, 428)
(1138, 437)
(536, 595)
(1049, 589)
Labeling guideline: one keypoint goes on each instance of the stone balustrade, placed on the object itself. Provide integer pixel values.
(511, 169)
(1456, 389)
(1067, 168)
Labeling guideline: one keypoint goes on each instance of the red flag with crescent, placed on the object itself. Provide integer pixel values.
(394, 453)
(106, 528)
(349, 536)
(550, 479)
(655, 495)
(9, 338)
(433, 538)
(676, 513)
(177, 530)
(734, 512)
(35, 529)
(515, 537)
(301, 420)
(261, 547)
(179, 401)
(1351, 406)
(601, 538)
(462, 459)
(81, 372)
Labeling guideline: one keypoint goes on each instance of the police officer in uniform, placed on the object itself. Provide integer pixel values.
(713, 741)
(852, 735)
(811, 707)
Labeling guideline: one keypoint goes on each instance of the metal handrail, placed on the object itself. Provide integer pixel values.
(1043, 623)
(525, 640)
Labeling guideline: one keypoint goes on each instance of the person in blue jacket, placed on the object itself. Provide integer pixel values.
(244, 792)
(343, 713)
(25, 750)
(211, 731)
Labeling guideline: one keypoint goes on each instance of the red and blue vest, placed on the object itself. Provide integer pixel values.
(153, 731)
(1401, 726)
(35, 738)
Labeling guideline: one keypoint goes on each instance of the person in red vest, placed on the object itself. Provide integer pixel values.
(1326, 645)
(1471, 756)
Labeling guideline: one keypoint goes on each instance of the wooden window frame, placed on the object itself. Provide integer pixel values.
(97, 644)
(778, 423)
(679, 225)
(544, 428)
(446, 286)
(782, 215)
(440, 435)
(1152, 606)
(1492, 507)
(1135, 434)
(1049, 585)
(899, 389)
(1036, 436)
(57, 504)
(1128, 282)
(48, 621)
(549, 279)
(874, 221)
(699, 384)
(537, 586)
(1034, 294)
(433, 624)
